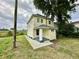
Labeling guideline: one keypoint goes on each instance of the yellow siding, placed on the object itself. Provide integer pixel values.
(49, 34)
(45, 22)
(30, 27)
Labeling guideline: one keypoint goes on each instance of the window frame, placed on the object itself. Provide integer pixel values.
(49, 22)
(38, 20)
(41, 20)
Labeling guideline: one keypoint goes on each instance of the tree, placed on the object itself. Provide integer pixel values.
(9, 33)
(67, 29)
(56, 8)
(15, 23)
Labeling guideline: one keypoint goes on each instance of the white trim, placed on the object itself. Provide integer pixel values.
(40, 34)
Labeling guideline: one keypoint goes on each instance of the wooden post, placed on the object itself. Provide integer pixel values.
(15, 23)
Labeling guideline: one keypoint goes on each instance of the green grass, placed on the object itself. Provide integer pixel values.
(64, 48)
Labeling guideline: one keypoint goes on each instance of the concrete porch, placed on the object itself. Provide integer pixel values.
(43, 39)
(36, 44)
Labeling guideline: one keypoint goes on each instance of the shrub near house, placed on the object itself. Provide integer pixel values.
(70, 30)
(67, 29)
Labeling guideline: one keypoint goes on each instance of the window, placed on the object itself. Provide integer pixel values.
(37, 19)
(41, 20)
(49, 22)
(37, 32)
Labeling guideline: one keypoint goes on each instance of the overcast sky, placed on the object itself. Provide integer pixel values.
(25, 10)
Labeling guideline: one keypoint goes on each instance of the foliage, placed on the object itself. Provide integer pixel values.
(67, 29)
(75, 35)
(21, 32)
(3, 33)
(4, 44)
(9, 33)
(64, 48)
(4, 29)
(57, 8)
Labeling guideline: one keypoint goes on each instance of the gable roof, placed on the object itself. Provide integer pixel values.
(38, 15)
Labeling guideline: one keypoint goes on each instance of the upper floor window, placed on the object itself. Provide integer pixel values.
(37, 19)
(41, 20)
(49, 22)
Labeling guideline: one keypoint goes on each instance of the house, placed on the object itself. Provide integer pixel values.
(41, 28)
(76, 24)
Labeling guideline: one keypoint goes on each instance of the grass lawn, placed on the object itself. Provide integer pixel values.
(64, 48)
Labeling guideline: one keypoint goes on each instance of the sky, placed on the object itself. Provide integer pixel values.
(25, 9)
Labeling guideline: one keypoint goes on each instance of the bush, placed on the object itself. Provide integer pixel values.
(71, 35)
(9, 33)
(75, 35)
(66, 30)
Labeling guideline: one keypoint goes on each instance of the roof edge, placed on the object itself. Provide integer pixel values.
(37, 15)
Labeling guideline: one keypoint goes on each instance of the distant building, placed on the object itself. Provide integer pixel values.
(41, 28)
(76, 24)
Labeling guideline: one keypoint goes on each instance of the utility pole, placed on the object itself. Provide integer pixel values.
(15, 23)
